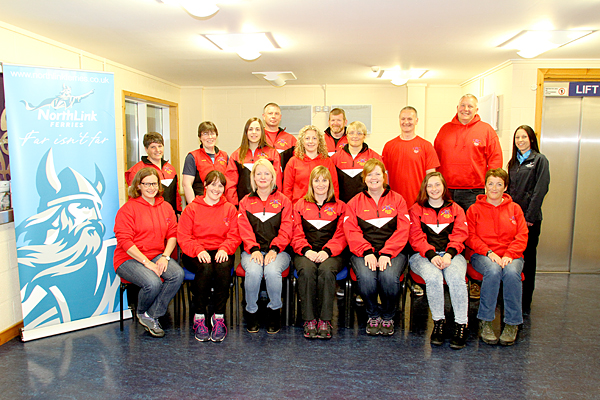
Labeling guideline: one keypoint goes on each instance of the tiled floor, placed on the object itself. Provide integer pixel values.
(557, 356)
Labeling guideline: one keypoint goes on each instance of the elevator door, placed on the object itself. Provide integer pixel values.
(570, 239)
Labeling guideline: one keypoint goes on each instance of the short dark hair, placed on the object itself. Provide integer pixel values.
(207, 126)
(134, 190)
(215, 175)
(497, 173)
(152, 137)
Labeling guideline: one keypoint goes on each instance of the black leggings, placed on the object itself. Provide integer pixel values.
(210, 275)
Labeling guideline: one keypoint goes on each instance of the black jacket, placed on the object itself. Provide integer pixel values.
(528, 184)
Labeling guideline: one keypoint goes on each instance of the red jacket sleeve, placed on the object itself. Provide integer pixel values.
(284, 236)
(245, 228)
(418, 238)
(494, 152)
(334, 178)
(299, 241)
(460, 231)
(233, 239)
(172, 225)
(395, 244)
(125, 227)
(519, 244)
(232, 176)
(289, 177)
(474, 241)
(338, 243)
(185, 237)
(354, 235)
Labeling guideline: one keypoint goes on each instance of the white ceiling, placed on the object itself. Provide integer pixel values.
(322, 41)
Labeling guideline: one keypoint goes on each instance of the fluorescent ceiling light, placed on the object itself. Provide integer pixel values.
(247, 45)
(198, 8)
(276, 78)
(400, 77)
(533, 43)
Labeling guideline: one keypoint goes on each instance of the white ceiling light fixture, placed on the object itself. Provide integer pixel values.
(197, 8)
(247, 45)
(401, 77)
(531, 44)
(276, 78)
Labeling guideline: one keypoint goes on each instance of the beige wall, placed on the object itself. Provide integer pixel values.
(230, 107)
(18, 46)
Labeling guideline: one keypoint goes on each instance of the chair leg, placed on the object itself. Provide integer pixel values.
(236, 285)
(348, 302)
(121, 312)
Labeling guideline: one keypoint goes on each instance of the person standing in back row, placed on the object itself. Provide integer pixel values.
(335, 134)
(467, 148)
(277, 137)
(408, 158)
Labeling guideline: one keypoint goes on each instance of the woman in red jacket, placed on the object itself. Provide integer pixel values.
(208, 236)
(310, 151)
(254, 147)
(497, 239)
(201, 161)
(318, 242)
(376, 227)
(146, 232)
(437, 232)
(265, 223)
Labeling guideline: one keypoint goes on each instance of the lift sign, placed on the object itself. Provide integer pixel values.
(584, 89)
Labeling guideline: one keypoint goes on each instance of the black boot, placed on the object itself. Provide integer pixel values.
(459, 340)
(274, 318)
(437, 335)
(252, 322)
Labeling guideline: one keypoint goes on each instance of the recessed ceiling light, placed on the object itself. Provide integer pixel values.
(533, 43)
(247, 45)
(401, 77)
(198, 8)
(276, 78)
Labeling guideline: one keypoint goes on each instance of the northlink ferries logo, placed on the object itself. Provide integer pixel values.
(67, 118)
(61, 253)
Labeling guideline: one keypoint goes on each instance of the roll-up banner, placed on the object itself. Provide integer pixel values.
(61, 137)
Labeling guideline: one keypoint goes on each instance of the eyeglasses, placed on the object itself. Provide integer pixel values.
(207, 134)
(355, 133)
(150, 184)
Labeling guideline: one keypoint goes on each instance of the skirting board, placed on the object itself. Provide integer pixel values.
(10, 333)
(72, 326)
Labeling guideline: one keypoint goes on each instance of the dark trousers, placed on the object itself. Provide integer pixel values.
(530, 258)
(316, 286)
(465, 197)
(210, 275)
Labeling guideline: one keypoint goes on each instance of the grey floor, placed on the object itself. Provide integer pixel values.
(557, 356)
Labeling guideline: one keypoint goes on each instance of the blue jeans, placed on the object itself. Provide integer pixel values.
(386, 284)
(454, 275)
(493, 275)
(155, 295)
(272, 274)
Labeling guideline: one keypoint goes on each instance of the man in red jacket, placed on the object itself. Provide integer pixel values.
(467, 148)
(335, 134)
(277, 137)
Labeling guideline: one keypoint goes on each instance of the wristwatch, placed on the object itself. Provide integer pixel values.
(489, 252)
(167, 257)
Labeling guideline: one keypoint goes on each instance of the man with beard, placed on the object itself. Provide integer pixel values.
(335, 135)
(60, 244)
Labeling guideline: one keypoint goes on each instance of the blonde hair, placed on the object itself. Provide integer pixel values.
(370, 166)
(300, 150)
(319, 172)
(267, 164)
(356, 126)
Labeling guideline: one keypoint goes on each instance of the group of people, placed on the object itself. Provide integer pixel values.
(325, 200)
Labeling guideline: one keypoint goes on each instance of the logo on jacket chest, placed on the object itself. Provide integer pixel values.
(168, 170)
(275, 203)
(513, 220)
(388, 209)
(476, 142)
(361, 161)
(416, 149)
(530, 165)
(329, 210)
(281, 143)
(221, 160)
(226, 221)
(446, 214)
